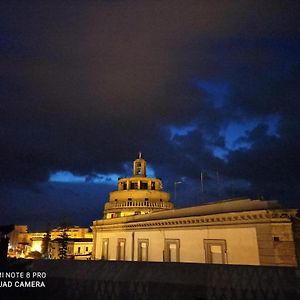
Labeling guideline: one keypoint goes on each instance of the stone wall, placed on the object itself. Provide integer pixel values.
(296, 231)
(276, 244)
(102, 280)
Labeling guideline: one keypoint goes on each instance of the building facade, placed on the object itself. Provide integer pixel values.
(24, 244)
(238, 231)
(77, 248)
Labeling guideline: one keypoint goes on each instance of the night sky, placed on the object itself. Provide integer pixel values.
(196, 86)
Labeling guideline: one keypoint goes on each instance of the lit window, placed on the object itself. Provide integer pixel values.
(104, 249)
(121, 249)
(171, 252)
(215, 251)
(143, 246)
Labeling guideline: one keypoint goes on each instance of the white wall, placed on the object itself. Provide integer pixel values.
(242, 247)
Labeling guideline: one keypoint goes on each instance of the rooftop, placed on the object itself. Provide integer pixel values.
(212, 208)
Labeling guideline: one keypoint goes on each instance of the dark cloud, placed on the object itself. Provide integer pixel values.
(84, 86)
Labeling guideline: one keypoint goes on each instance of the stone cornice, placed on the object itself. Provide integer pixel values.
(232, 218)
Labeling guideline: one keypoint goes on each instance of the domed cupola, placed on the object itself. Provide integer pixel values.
(138, 194)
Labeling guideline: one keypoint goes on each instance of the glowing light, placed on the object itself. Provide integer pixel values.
(36, 246)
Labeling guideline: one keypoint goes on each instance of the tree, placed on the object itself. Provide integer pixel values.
(45, 245)
(63, 244)
(35, 255)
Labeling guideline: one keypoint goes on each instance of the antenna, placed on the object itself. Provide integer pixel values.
(201, 178)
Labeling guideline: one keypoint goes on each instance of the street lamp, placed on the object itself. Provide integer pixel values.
(175, 184)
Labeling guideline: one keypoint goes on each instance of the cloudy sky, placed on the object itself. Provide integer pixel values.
(197, 86)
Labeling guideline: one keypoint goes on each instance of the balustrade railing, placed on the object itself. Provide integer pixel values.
(139, 204)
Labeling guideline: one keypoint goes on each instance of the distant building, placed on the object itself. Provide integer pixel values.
(24, 244)
(36, 239)
(79, 243)
(238, 231)
(73, 232)
(78, 249)
(19, 241)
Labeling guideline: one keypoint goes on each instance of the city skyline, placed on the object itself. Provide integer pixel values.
(208, 92)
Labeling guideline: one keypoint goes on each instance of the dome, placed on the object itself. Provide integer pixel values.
(138, 194)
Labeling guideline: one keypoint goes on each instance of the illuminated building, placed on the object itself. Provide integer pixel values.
(72, 232)
(79, 243)
(78, 249)
(36, 239)
(137, 195)
(22, 244)
(234, 231)
(19, 241)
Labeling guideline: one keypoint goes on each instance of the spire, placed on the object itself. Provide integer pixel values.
(140, 155)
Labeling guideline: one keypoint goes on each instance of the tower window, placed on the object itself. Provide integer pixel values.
(138, 168)
(152, 185)
(129, 199)
(146, 199)
(133, 185)
(144, 185)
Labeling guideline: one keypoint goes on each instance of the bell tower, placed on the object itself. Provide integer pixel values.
(139, 167)
(137, 195)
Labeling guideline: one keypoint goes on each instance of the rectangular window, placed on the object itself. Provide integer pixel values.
(152, 185)
(121, 249)
(78, 250)
(86, 249)
(133, 185)
(143, 246)
(215, 251)
(104, 249)
(144, 185)
(171, 252)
